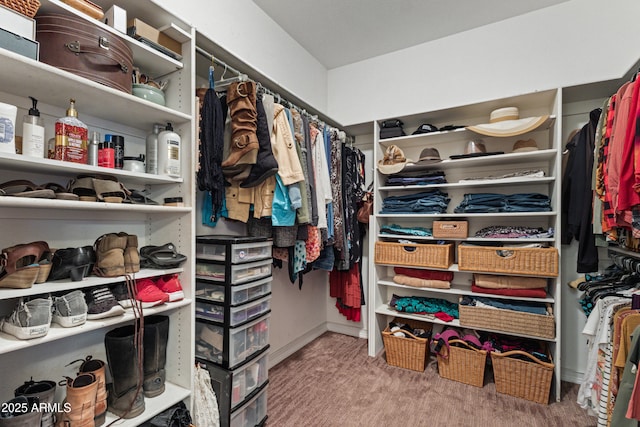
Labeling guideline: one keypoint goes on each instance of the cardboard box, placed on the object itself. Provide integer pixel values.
(17, 23)
(137, 28)
(116, 17)
(18, 44)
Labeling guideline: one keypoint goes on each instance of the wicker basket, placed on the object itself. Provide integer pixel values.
(408, 353)
(450, 229)
(414, 255)
(463, 364)
(507, 260)
(528, 379)
(517, 322)
(26, 7)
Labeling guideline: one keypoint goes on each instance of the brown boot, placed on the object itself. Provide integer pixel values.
(131, 255)
(241, 99)
(97, 368)
(80, 403)
(110, 255)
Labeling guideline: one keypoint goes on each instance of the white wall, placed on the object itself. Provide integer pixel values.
(242, 29)
(575, 42)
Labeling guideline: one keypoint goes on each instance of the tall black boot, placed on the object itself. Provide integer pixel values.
(125, 398)
(266, 164)
(156, 335)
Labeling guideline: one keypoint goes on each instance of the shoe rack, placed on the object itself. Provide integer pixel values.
(65, 223)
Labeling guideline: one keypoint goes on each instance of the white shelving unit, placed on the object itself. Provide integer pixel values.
(547, 158)
(63, 223)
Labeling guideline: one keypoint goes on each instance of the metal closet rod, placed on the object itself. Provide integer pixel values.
(279, 98)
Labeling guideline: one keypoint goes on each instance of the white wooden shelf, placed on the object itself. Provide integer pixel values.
(386, 311)
(486, 183)
(153, 406)
(22, 75)
(470, 215)
(469, 239)
(9, 343)
(457, 289)
(75, 205)
(87, 282)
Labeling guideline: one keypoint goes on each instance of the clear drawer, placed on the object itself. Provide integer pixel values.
(240, 252)
(252, 413)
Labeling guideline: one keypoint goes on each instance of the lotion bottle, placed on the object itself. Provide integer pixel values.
(169, 152)
(33, 132)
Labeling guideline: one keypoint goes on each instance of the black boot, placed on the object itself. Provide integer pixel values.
(266, 164)
(45, 392)
(156, 334)
(125, 398)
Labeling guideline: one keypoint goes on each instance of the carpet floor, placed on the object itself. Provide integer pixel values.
(332, 382)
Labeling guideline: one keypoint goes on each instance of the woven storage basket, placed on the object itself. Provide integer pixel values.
(524, 261)
(26, 7)
(528, 379)
(463, 364)
(512, 321)
(450, 229)
(436, 256)
(408, 353)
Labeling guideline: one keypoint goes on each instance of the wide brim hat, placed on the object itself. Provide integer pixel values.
(428, 156)
(506, 121)
(393, 161)
(475, 148)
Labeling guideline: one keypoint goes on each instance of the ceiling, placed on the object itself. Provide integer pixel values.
(340, 32)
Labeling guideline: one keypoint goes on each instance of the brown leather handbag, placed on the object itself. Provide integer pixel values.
(366, 208)
(82, 48)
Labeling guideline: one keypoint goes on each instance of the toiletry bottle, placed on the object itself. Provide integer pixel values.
(33, 132)
(72, 137)
(152, 150)
(118, 151)
(169, 152)
(107, 154)
(94, 145)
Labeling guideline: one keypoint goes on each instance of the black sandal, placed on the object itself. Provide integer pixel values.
(160, 257)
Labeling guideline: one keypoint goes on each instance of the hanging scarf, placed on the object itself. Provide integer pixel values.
(210, 177)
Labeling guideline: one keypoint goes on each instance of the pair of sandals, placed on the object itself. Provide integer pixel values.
(450, 337)
(106, 188)
(161, 257)
(25, 264)
(26, 188)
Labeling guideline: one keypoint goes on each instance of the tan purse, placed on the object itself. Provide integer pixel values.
(366, 208)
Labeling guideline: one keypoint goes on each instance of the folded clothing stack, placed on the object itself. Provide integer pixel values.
(506, 304)
(391, 128)
(437, 307)
(492, 202)
(515, 286)
(426, 202)
(423, 278)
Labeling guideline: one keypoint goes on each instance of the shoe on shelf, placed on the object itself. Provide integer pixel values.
(30, 319)
(149, 294)
(170, 284)
(101, 303)
(121, 293)
(70, 309)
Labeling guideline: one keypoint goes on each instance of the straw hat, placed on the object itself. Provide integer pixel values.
(507, 122)
(393, 161)
(521, 145)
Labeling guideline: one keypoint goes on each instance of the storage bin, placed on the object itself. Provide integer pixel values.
(252, 413)
(510, 321)
(464, 364)
(237, 315)
(237, 345)
(450, 229)
(509, 260)
(415, 255)
(240, 273)
(407, 352)
(234, 387)
(528, 379)
(241, 252)
(239, 294)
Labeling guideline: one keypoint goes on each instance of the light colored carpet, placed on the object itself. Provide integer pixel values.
(332, 382)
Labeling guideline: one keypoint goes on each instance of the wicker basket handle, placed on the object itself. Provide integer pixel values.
(404, 331)
(409, 249)
(467, 346)
(530, 356)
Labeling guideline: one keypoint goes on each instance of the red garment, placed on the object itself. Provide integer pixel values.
(532, 293)
(345, 286)
(446, 276)
(444, 316)
(627, 196)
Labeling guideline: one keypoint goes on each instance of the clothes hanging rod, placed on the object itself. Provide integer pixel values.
(210, 57)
